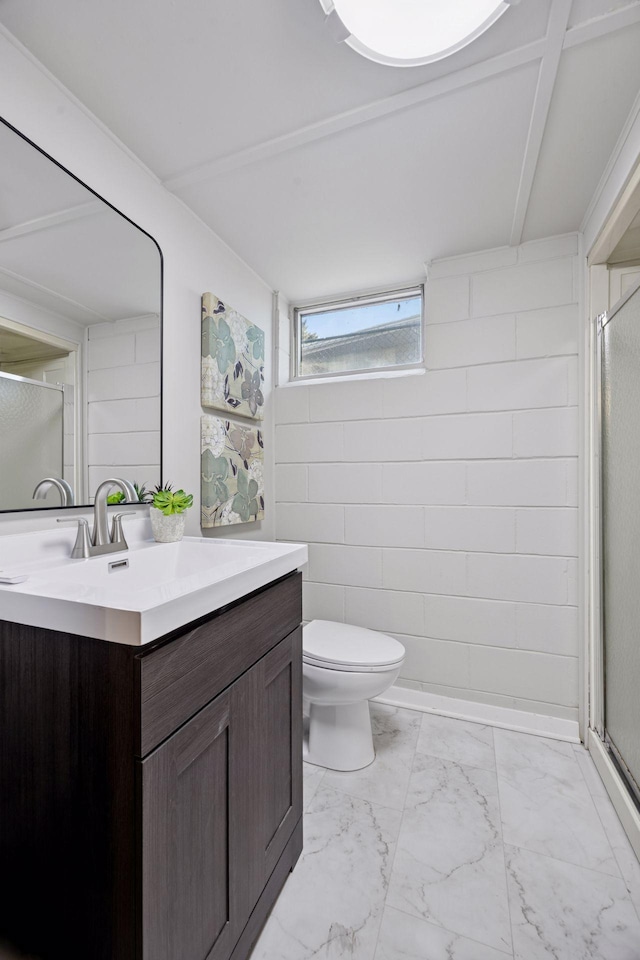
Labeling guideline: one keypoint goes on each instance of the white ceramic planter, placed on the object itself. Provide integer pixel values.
(167, 529)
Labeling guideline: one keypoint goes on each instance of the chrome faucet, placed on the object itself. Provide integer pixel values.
(63, 488)
(101, 536)
(101, 540)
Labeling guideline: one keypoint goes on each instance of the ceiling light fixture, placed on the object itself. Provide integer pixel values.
(408, 33)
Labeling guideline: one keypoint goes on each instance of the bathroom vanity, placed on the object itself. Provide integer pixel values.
(150, 793)
(150, 699)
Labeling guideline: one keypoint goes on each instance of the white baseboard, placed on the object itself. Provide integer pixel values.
(617, 790)
(486, 713)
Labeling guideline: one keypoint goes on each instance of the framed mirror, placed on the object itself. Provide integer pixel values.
(80, 337)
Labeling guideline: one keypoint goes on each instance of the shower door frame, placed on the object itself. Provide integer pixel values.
(620, 792)
(622, 188)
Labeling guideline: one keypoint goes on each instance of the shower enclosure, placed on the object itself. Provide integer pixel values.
(618, 672)
(31, 438)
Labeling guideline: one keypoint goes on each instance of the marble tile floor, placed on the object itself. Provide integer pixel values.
(460, 842)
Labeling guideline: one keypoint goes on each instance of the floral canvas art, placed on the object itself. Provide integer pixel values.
(232, 360)
(232, 486)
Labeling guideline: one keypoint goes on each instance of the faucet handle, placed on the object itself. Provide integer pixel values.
(117, 536)
(82, 546)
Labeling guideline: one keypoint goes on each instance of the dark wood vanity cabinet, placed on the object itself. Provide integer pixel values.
(153, 810)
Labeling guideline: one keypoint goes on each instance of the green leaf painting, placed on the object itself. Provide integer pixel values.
(244, 503)
(232, 360)
(215, 471)
(256, 337)
(221, 345)
(232, 486)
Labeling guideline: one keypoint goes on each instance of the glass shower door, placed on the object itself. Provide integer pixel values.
(31, 438)
(620, 482)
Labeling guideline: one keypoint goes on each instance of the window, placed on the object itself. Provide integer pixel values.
(381, 332)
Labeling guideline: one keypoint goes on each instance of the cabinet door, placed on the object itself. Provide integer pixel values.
(219, 801)
(188, 789)
(277, 688)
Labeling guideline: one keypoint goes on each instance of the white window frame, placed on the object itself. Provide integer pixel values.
(360, 299)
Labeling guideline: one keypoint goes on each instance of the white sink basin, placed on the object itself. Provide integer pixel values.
(162, 587)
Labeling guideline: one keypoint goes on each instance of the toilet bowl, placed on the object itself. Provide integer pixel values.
(343, 667)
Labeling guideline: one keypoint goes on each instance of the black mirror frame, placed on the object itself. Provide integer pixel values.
(84, 506)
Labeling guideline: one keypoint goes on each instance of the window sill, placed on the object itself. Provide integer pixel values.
(369, 375)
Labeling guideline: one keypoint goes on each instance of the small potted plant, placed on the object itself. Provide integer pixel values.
(167, 512)
(119, 497)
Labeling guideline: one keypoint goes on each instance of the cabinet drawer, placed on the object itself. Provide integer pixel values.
(176, 680)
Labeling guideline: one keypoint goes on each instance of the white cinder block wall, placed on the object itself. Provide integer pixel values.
(123, 391)
(442, 507)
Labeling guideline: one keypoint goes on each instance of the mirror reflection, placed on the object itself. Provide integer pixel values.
(80, 337)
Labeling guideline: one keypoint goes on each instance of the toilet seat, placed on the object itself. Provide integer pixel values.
(341, 646)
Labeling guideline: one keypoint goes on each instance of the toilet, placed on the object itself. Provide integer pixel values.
(343, 667)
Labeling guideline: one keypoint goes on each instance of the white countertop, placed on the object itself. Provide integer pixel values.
(164, 586)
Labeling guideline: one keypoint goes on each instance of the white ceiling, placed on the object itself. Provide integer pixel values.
(595, 89)
(328, 172)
